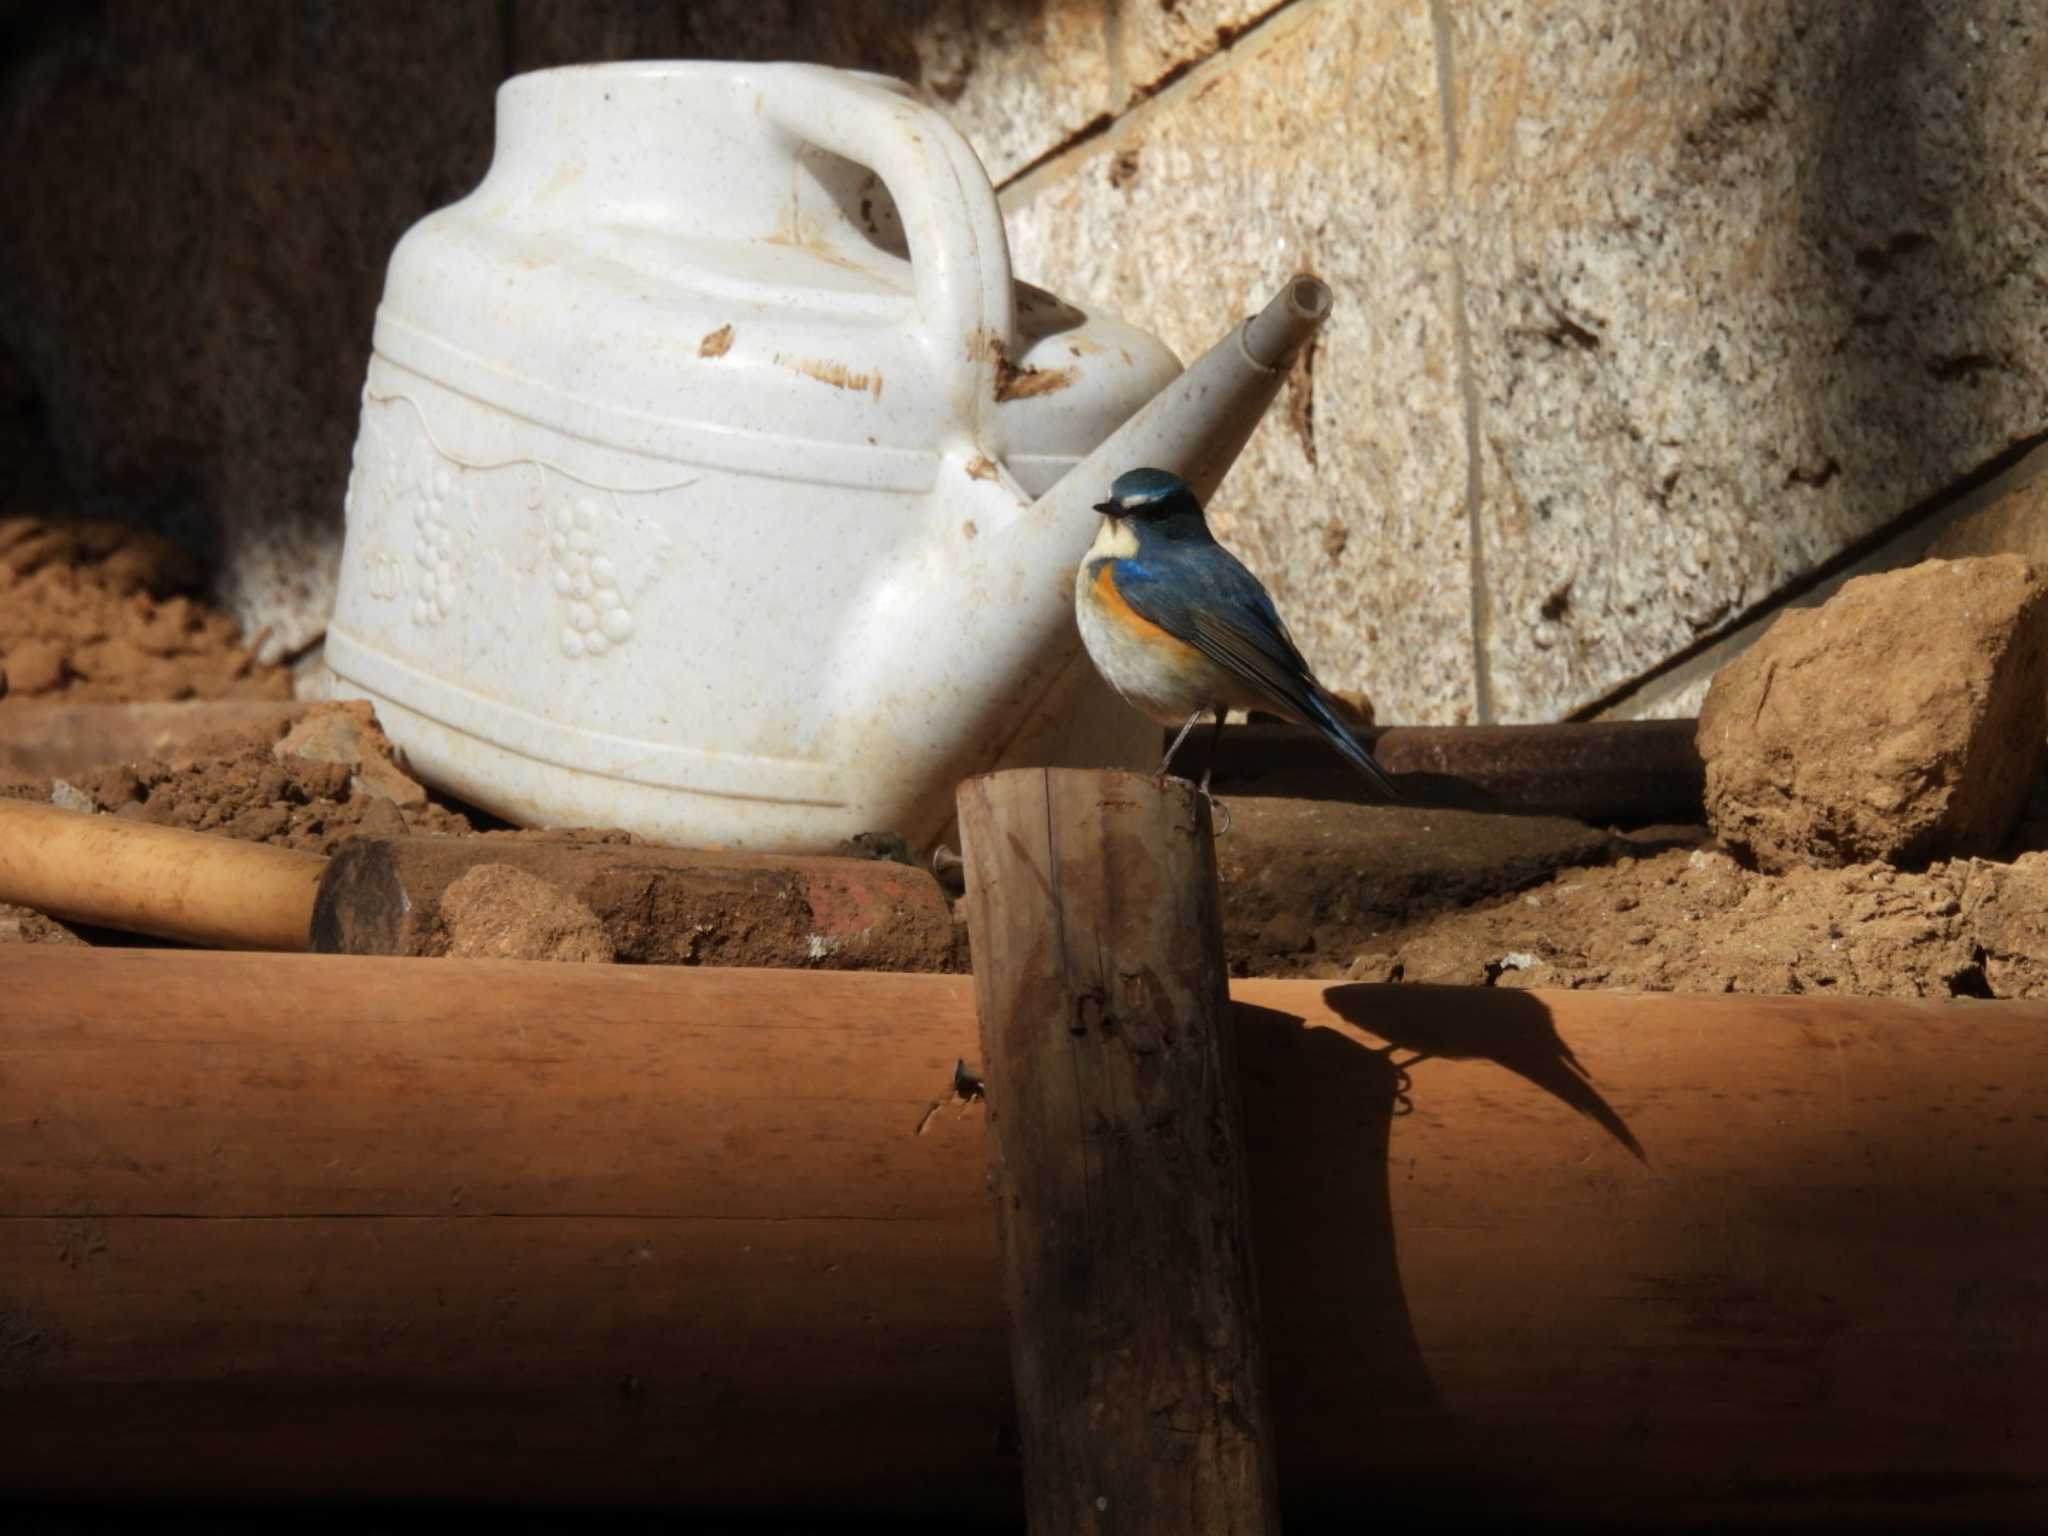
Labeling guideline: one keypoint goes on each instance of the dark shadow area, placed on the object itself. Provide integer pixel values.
(1850, 555)
(201, 204)
(1360, 1429)
(1904, 204)
(1626, 772)
(57, 1521)
(143, 1520)
(1910, 327)
(1336, 1320)
(1512, 1029)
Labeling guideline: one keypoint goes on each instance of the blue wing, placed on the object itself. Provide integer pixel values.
(1207, 598)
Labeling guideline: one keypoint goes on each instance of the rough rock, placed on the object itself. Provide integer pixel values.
(1315, 144)
(348, 733)
(69, 797)
(496, 912)
(381, 818)
(25, 925)
(1902, 720)
(2015, 523)
(657, 906)
(2006, 908)
(34, 666)
(1744, 283)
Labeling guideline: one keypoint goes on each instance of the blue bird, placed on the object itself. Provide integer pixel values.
(1179, 628)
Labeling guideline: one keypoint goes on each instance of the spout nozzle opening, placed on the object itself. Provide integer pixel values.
(1272, 336)
(1309, 297)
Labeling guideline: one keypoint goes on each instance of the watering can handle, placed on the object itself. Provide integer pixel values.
(959, 254)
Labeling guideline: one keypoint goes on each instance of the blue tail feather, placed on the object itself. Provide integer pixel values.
(1335, 732)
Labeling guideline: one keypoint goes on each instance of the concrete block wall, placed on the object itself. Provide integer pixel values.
(1645, 311)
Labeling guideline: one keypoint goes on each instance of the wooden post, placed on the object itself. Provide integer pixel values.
(1116, 1154)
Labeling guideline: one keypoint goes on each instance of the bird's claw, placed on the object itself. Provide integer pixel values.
(968, 1084)
(1219, 813)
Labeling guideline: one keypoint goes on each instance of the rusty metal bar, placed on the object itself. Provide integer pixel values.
(1601, 770)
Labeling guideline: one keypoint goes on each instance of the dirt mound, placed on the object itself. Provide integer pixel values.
(102, 611)
(238, 784)
(1310, 884)
(1694, 920)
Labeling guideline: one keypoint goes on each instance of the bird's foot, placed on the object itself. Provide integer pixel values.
(968, 1087)
(950, 870)
(1219, 813)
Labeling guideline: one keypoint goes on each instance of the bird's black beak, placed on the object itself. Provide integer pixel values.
(1108, 508)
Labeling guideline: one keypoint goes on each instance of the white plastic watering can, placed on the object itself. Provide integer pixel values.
(716, 480)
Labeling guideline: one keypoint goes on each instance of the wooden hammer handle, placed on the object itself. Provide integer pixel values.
(193, 886)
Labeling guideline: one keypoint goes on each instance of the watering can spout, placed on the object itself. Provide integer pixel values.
(1198, 424)
(1280, 330)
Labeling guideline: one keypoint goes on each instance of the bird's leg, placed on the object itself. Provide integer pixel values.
(1216, 807)
(1167, 761)
(1215, 741)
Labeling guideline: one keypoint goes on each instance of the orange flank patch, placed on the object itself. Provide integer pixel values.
(1118, 610)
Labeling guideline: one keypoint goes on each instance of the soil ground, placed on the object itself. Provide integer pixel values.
(1346, 892)
(105, 611)
(234, 784)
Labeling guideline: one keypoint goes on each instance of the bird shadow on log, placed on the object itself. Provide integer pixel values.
(1514, 1029)
(1319, 1107)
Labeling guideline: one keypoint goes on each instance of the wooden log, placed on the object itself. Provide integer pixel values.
(659, 906)
(406, 1230)
(50, 740)
(315, 1228)
(382, 895)
(1116, 1153)
(192, 886)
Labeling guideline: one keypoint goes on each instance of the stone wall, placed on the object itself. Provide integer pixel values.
(1644, 310)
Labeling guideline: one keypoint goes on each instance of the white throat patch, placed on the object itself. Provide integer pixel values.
(1118, 540)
